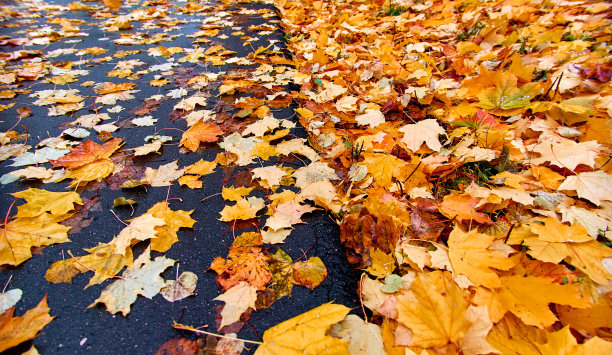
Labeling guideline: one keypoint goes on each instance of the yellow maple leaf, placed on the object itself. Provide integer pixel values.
(174, 220)
(383, 167)
(21, 234)
(201, 167)
(140, 228)
(113, 5)
(306, 333)
(529, 297)
(235, 193)
(434, 319)
(39, 201)
(471, 255)
(243, 209)
(511, 336)
(101, 258)
(191, 181)
(238, 300)
(96, 170)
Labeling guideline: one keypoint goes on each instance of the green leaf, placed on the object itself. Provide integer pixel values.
(392, 284)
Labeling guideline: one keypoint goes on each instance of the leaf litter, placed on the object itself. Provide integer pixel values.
(463, 150)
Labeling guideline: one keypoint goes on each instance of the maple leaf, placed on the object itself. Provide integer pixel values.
(269, 176)
(563, 342)
(528, 298)
(9, 298)
(162, 176)
(425, 131)
(471, 254)
(383, 167)
(315, 171)
(235, 193)
(371, 117)
(238, 300)
(165, 234)
(594, 186)
(242, 265)
(16, 330)
(109, 88)
(142, 278)
(306, 333)
(435, 319)
(102, 259)
(140, 228)
(201, 167)
(243, 209)
(39, 201)
(382, 264)
(24, 233)
(96, 170)
(566, 154)
(511, 336)
(463, 208)
(287, 214)
(87, 152)
(506, 95)
(200, 132)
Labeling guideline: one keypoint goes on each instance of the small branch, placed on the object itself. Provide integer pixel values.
(192, 329)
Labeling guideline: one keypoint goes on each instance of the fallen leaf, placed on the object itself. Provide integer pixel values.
(200, 132)
(237, 300)
(166, 234)
(310, 273)
(471, 254)
(24, 233)
(16, 330)
(363, 337)
(39, 201)
(306, 333)
(142, 278)
(435, 319)
(425, 131)
(102, 259)
(140, 228)
(181, 288)
(595, 186)
(9, 298)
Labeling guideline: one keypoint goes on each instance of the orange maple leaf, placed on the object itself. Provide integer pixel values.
(242, 265)
(87, 152)
(200, 132)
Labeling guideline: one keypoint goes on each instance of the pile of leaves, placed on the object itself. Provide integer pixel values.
(462, 147)
(471, 144)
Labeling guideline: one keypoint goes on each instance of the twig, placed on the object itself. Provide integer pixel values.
(192, 329)
(113, 212)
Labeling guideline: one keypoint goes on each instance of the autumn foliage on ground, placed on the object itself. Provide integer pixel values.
(462, 147)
